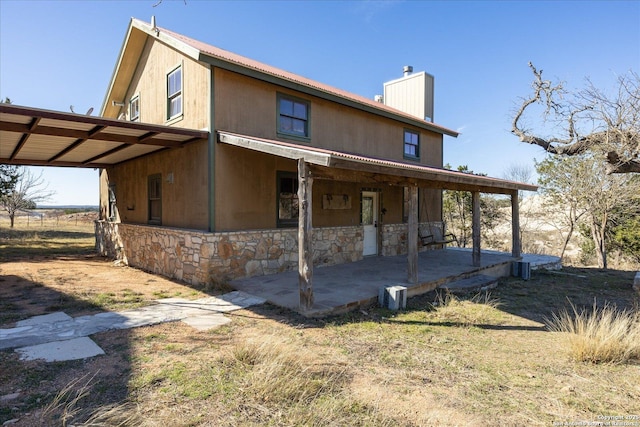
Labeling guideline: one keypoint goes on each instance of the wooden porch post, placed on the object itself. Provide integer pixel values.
(305, 246)
(412, 237)
(516, 244)
(475, 201)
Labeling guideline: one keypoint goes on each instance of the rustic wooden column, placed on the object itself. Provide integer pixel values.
(516, 244)
(305, 246)
(475, 202)
(412, 237)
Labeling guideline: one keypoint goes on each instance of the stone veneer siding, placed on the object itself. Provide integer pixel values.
(394, 237)
(199, 257)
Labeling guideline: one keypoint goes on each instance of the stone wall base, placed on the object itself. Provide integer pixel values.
(200, 257)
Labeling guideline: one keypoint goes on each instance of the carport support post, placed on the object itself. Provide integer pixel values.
(412, 237)
(516, 245)
(305, 246)
(475, 203)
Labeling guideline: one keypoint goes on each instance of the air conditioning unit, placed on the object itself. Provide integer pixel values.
(393, 297)
(521, 269)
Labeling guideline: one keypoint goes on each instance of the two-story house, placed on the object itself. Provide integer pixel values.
(285, 160)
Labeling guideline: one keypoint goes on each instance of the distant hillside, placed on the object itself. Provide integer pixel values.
(74, 207)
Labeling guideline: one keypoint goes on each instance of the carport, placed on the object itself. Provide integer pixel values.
(36, 137)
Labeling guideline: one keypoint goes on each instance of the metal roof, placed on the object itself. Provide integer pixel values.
(422, 174)
(31, 136)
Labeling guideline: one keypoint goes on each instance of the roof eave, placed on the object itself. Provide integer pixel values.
(116, 67)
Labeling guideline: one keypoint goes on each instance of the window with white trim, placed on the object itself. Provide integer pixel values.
(134, 109)
(174, 93)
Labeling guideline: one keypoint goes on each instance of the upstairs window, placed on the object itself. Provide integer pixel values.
(155, 199)
(134, 109)
(174, 93)
(293, 117)
(288, 205)
(411, 145)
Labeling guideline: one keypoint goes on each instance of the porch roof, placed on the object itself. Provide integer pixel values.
(36, 137)
(339, 165)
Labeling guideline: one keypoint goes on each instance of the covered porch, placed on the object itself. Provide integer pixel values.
(343, 287)
(318, 292)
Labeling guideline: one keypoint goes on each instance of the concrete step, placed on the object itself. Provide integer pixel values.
(479, 282)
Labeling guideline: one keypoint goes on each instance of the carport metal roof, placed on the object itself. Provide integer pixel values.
(35, 137)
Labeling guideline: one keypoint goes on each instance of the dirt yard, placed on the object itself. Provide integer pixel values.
(474, 361)
(78, 285)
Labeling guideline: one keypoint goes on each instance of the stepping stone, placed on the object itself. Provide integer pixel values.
(77, 348)
(206, 322)
(58, 316)
(476, 283)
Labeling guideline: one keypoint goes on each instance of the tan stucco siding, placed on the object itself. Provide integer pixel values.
(149, 82)
(246, 193)
(245, 188)
(245, 181)
(248, 106)
(184, 201)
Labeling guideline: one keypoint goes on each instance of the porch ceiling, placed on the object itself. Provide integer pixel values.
(337, 165)
(35, 137)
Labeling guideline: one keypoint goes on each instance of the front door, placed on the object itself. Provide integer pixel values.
(370, 223)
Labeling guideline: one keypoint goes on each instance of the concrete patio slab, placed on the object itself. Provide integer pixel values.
(339, 288)
(342, 287)
(73, 349)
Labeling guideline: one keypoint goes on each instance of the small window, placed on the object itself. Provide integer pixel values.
(411, 145)
(112, 202)
(293, 117)
(288, 206)
(174, 93)
(155, 199)
(134, 109)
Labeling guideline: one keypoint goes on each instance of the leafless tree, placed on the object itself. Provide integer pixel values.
(580, 187)
(28, 191)
(589, 121)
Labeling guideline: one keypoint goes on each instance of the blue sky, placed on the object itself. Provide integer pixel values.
(54, 54)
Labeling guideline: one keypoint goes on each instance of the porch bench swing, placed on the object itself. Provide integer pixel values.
(432, 238)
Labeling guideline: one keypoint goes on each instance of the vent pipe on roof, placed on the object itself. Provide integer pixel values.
(154, 27)
(407, 70)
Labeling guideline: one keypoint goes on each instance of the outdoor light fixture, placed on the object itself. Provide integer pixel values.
(117, 103)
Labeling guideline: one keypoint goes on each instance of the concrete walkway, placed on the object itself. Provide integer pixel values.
(57, 336)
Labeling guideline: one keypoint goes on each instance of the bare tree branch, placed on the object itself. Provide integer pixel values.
(593, 121)
(28, 190)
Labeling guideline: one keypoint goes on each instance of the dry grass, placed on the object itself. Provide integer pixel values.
(602, 335)
(53, 234)
(263, 380)
(480, 309)
(480, 360)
